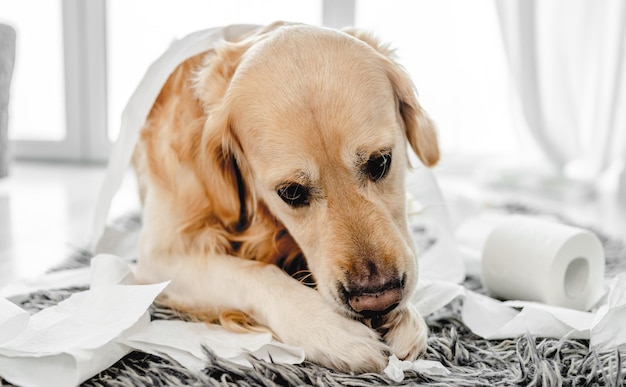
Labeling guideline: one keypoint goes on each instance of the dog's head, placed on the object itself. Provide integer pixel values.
(318, 122)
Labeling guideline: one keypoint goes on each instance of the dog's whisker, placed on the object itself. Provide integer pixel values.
(303, 275)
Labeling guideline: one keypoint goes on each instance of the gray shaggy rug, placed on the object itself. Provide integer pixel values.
(471, 360)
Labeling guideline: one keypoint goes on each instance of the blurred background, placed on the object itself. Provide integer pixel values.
(529, 97)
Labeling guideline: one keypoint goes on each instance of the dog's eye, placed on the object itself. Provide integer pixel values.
(294, 194)
(378, 166)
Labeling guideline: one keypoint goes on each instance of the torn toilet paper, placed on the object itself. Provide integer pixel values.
(493, 319)
(91, 330)
(183, 342)
(427, 212)
(395, 369)
(138, 108)
(608, 325)
(13, 320)
(79, 337)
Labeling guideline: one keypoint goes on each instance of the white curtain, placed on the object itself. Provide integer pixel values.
(568, 63)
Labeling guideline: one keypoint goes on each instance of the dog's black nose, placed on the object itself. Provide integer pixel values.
(375, 301)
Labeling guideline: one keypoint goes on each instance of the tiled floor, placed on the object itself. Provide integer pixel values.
(47, 209)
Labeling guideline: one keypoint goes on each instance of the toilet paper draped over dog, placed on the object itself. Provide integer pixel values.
(140, 103)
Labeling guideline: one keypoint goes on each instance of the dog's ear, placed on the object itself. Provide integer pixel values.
(221, 174)
(420, 130)
(220, 154)
(224, 160)
(252, 227)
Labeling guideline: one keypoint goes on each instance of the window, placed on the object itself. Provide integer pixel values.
(139, 31)
(451, 48)
(57, 90)
(38, 112)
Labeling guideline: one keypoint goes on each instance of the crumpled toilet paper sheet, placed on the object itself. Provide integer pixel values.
(91, 330)
(493, 319)
(395, 369)
(180, 340)
(78, 337)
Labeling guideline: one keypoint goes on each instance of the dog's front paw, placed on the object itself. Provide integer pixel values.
(333, 340)
(406, 332)
(347, 345)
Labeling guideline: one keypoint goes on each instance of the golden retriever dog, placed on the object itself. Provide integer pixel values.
(271, 172)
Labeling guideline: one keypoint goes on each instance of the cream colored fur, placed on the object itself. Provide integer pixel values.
(289, 104)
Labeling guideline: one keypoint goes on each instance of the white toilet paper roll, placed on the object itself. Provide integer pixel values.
(529, 259)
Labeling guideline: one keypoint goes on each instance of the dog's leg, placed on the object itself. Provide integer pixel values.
(406, 332)
(297, 314)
